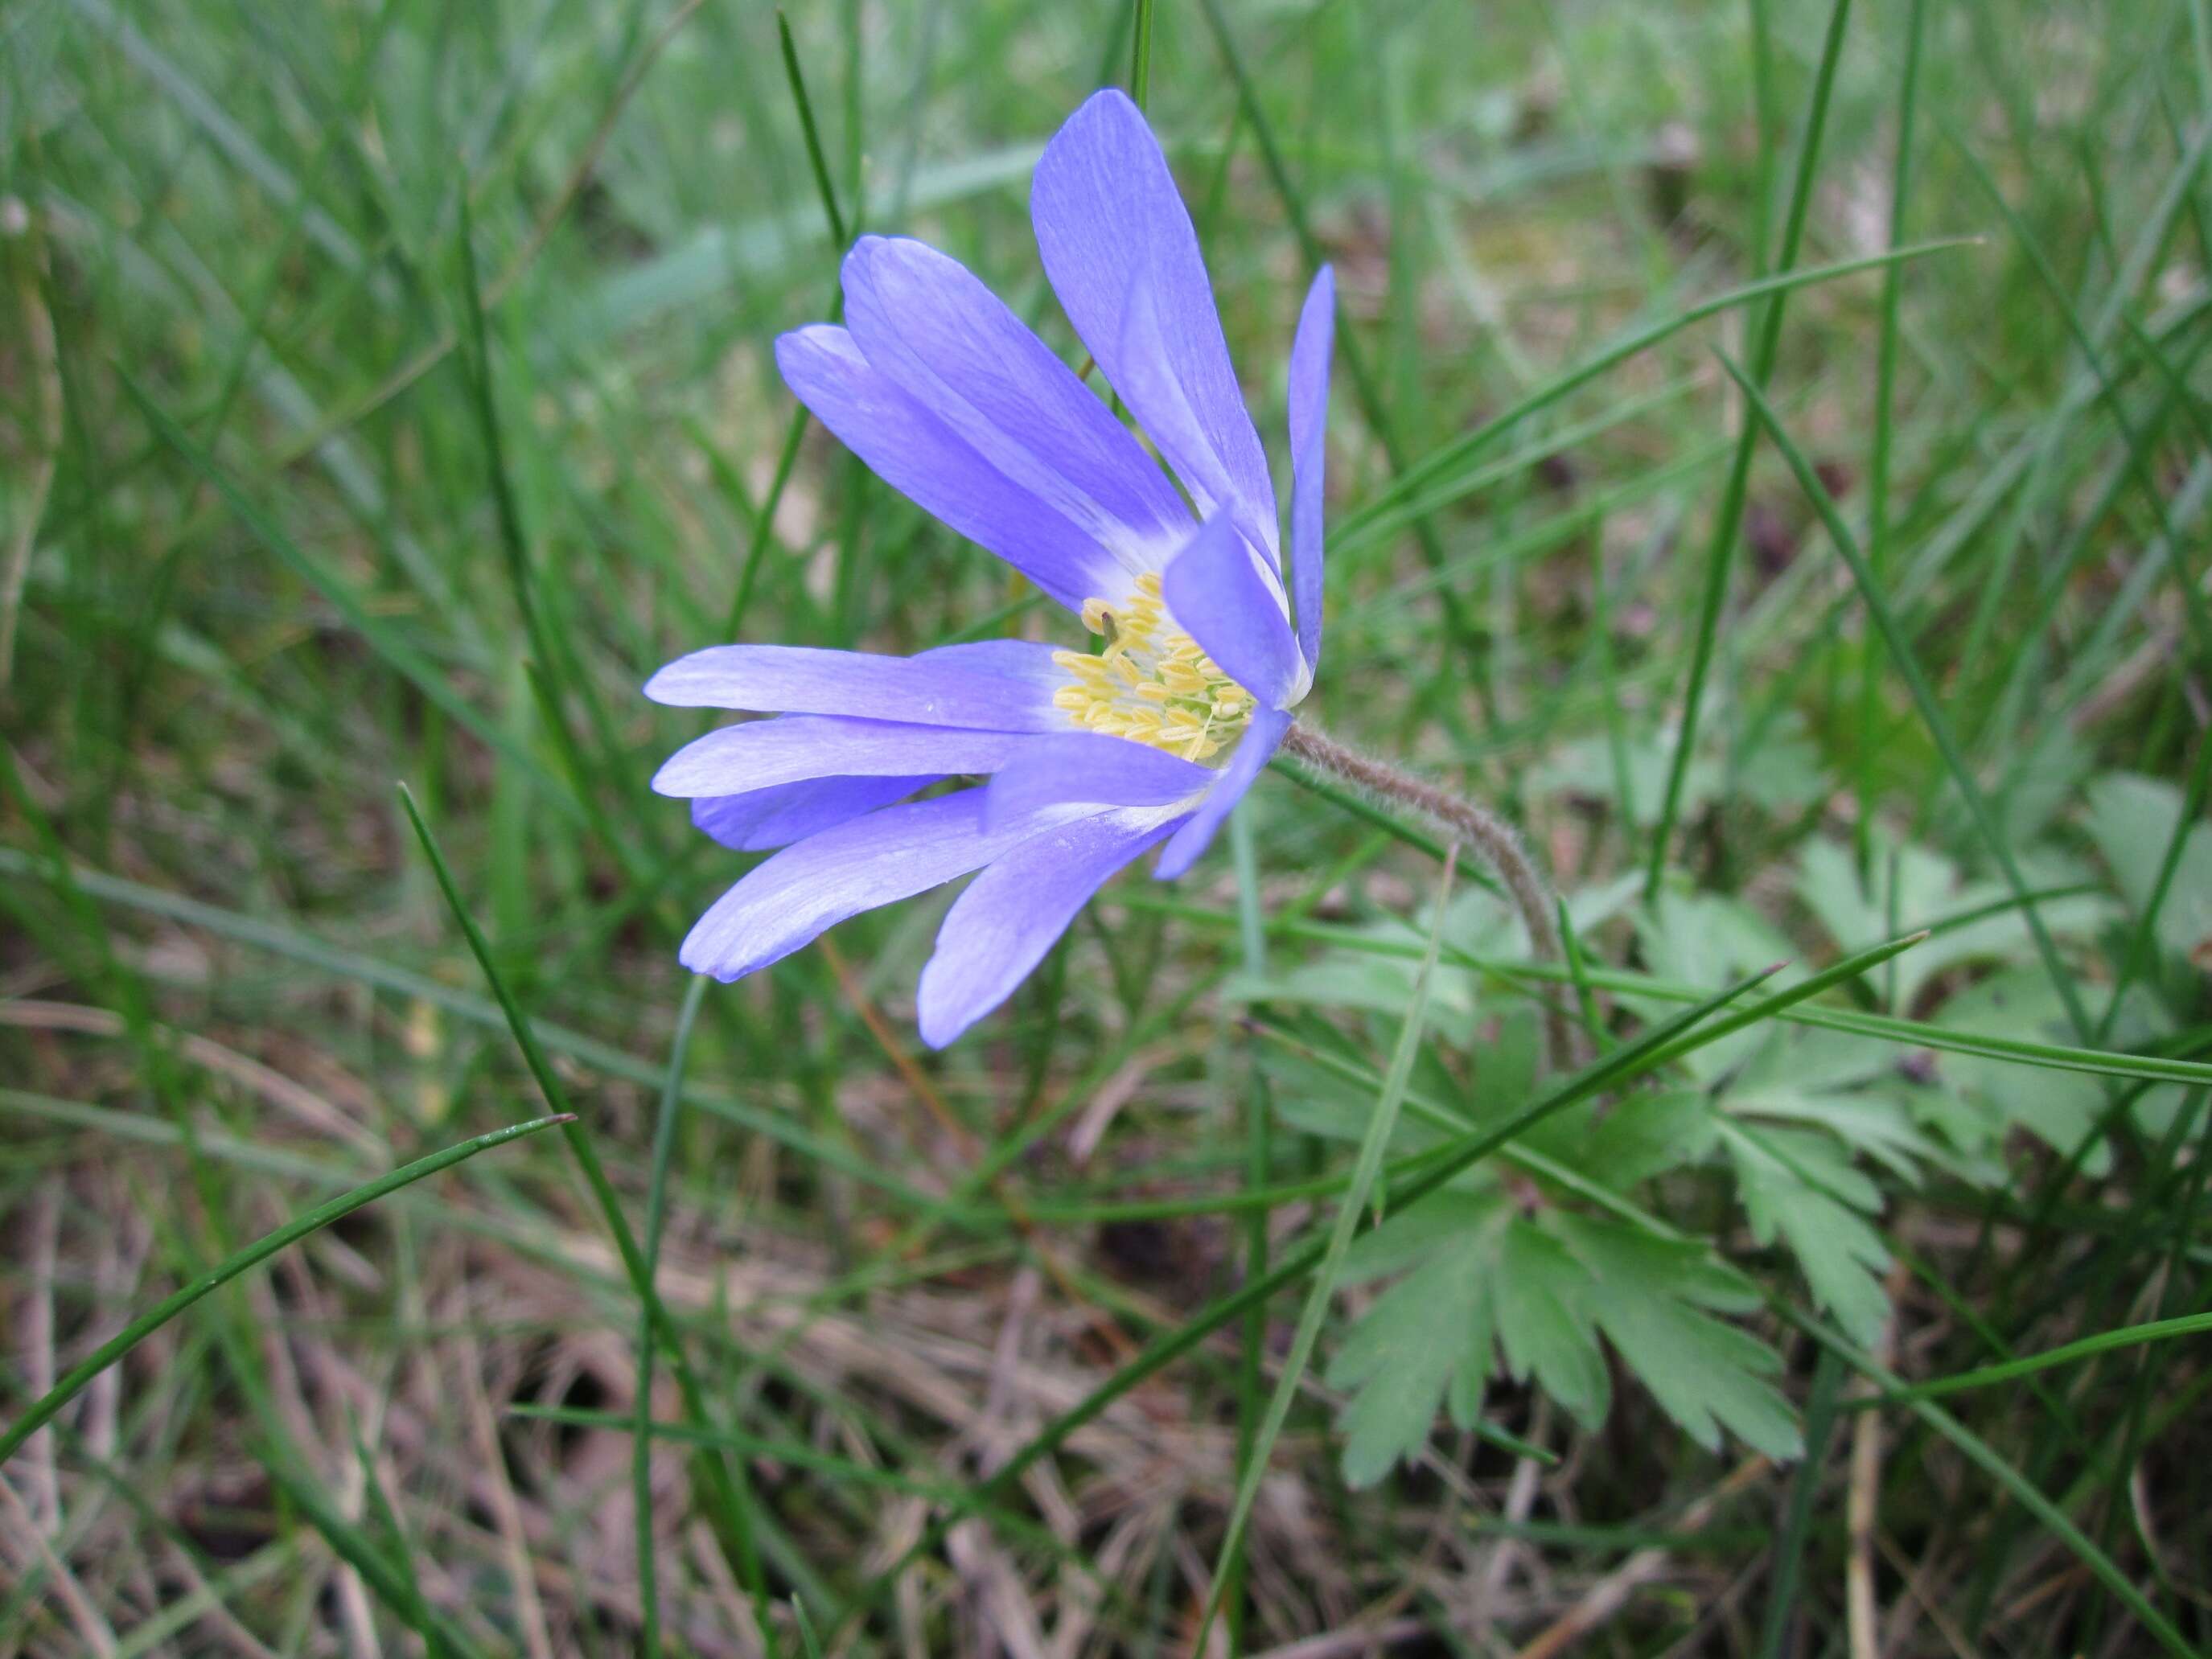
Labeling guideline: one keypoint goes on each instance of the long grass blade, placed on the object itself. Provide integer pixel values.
(1720, 553)
(1319, 1295)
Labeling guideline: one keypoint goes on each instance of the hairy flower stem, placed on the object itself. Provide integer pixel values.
(1490, 838)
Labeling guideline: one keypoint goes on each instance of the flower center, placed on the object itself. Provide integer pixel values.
(1152, 683)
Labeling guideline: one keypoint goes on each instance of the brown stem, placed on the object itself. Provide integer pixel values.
(1491, 840)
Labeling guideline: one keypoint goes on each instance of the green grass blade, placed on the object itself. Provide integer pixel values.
(1885, 413)
(1140, 56)
(816, 159)
(1720, 553)
(732, 1509)
(2131, 1336)
(656, 1214)
(1349, 1212)
(1923, 695)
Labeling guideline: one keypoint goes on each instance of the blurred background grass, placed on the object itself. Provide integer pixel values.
(385, 392)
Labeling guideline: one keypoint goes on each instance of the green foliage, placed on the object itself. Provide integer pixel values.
(1480, 1280)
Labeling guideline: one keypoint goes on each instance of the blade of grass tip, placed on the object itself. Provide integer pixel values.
(656, 1213)
(808, 1640)
(1349, 1211)
(1484, 1428)
(735, 1514)
(1923, 695)
(1140, 55)
(2022, 1490)
(1885, 421)
(1442, 1165)
(814, 155)
(1720, 552)
(42, 1411)
(2158, 1330)
(1838, 973)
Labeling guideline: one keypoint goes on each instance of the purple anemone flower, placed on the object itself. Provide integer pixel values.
(1092, 757)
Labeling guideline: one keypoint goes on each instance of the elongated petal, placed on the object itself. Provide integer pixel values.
(1309, 399)
(1089, 766)
(1215, 590)
(933, 689)
(763, 753)
(1260, 740)
(805, 889)
(948, 341)
(761, 819)
(916, 453)
(1110, 225)
(1001, 926)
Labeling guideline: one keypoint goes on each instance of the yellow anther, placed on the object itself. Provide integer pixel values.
(1152, 683)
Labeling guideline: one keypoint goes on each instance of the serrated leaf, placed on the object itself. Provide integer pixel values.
(1705, 1375)
(1839, 1253)
(1479, 1277)
(1875, 1125)
(1543, 1322)
(1409, 1350)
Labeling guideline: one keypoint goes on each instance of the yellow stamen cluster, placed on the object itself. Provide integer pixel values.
(1152, 683)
